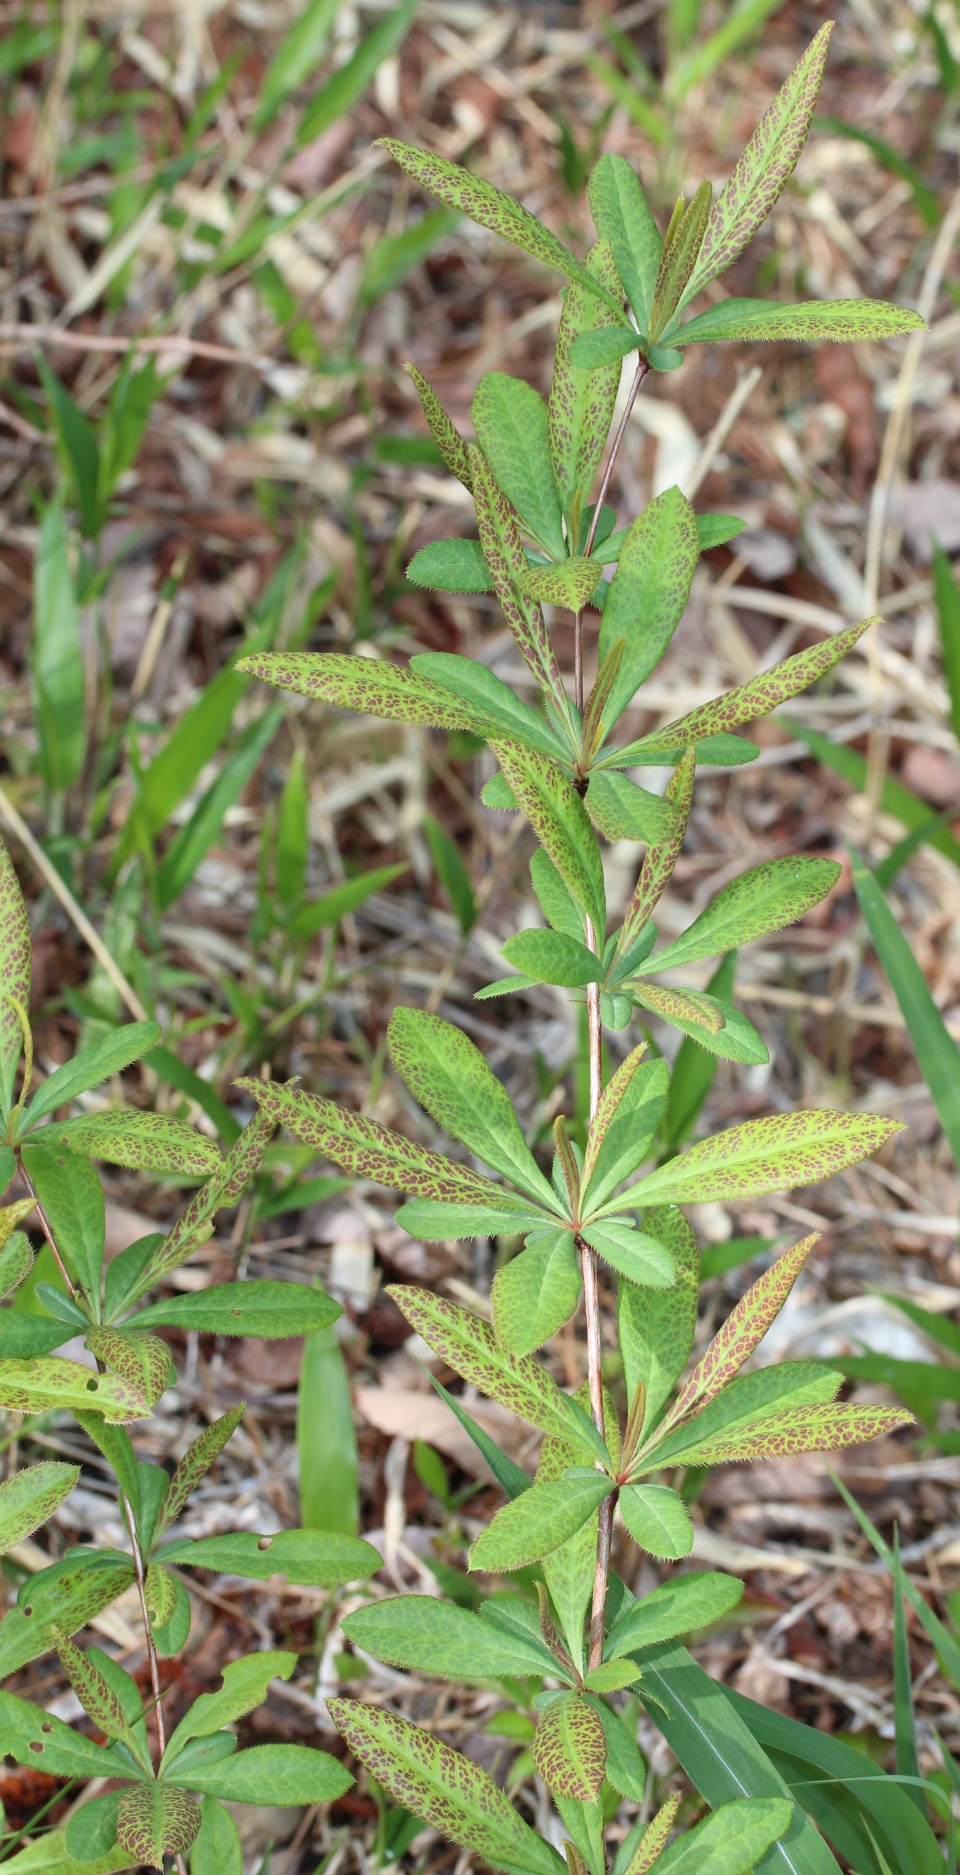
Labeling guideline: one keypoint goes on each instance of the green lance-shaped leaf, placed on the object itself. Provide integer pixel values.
(16, 1261)
(36, 1738)
(760, 901)
(57, 655)
(817, 320)
(46, 1385)
(160, 1594)
(15, 955)
(691, 1010)
(552, 957)
(510, 420)
(425, 1635)
(569, 583)
(154, 1820)
(72, 1198)
(319, 1558)
(680, 1606)
(799, 1429)
(557, 903)
(449, 1077)
(217, 1849)
(272, 1310)
(97, 1697)
(245, 1684)
(470, 1347)
(612, 1676)
(490, 208)
(348, 82)
(777, 1153)
(538, 1522)
(369, 1150)
(507, 563)
(658, 1520)
(287, 1773)
(731, 1841)
(435, 1222)
(320, 913)
(450, 443)
(150, 1142)
(436, 1783)
(742, 1331)
(142, 1359)
(624, 1126)
(746, 1400)
(451, 566)
(657, 1326)
(489, 697)
(594, 351)
(90, 1836)
(368, 685)
(30, 1497)
(560, 821)
(580, 410)
(749, 701)
(653, 1839)
(569, 1748)
(536, 1292)
(195, 1463)
(621, 215)
(765, 167)
(681, 246)
(636, 1254)
(90, 1066)
(621, 810)
(648, 593)
(659, 861)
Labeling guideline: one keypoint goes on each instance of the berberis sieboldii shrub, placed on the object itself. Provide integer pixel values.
(589, 1649)
(545, 536)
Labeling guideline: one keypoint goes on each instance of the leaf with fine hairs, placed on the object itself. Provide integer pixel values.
(245, 1684)
(536, 1292)
(648, 593)
(680, 1606)
(507, 562)
(538, 1522)
(195, 1464)
(97, 1697)
(69, 1593)
(90, 1066)
(48, 1385)
(569, 1748)
(569, 583)
(782, 1387)
(731, 1841)
(15, 958)
(838, 320)
(652, 1839)
(658, 1520)
(317, 1558)
(39, 1739)
(143, 1359)
(444, 1788)
(757, 902)
(621, 810)
(636, 1254)
(284, 1773)
(624, 1126)
(30, 1496)
(154, 1820)
(777, 1153)
(272, 1310)
(765, 166)
(734, 1037)
(798, 1429)
(486, 693)
(580, 409)
(554, 897)
(450, 443)
(425, 1635)
(510, 421)
(451, 566)
(217, 1849)
(749, 702)
(593, 351)
(469, 1345)
(657, 1326)
(559, 820)
(552, 957)
(658, 864)
(449, 1076)
(369, 1150)
(369, 685)
(490, 208)
(621, 215)
(433, 1222)
(148, 1142)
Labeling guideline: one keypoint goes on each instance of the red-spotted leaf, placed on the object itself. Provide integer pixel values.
(581, 403)
(799, 1429)
(539, 1521)
(507, 564)
(450, 443)
(370, 1150)
(149, 1142)
(561, 824)
(195, 1464)
(30, 1497)
(160, 1594)
(154, 1820)
(815, 321)
(142, 1359)
(658, 861)
(621, 810)
(570, 1749)
(569, 583)
(760, 901)
(732, 1841)
(47, 1385)
(97, 1697)
(368, 685)
(690, 1009)
(777, 1153)
(438, 1784)
(738, 1408)
(654, 1838)
(15, 954)
(742, 1331)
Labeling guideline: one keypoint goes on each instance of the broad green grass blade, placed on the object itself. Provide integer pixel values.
(898, 855)
(894, 799)
(697, 66)
(340, 93)
(947, 596)
(391, 258)
(904, 1716)
(192, 842)
(57, 657)
(296, 58)
(944, 1642)
(452, 873)
(326, 1440)
(937, 1052)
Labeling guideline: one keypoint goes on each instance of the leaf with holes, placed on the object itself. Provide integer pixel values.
(559, 820)
(569, 1748)
(680, 1606)
(438, 1784)
(147, 1142)
(538, 1522)
(320, 1558)
(490, 208)
(658, 1520)
(369, 1150)
(30, 1496)
(648, 592)
(621, 810)
(154, 1820)
(510, 421)
(245, 1684)
(777, 1153)
(271, 1310)
(425, 1635)
(48, 1385)
(70, 1593)
(38, 1739)
(580, 409)
(98, 1698)
(536, 1292)
(470, 1347)
(142, 1359)
(449, 1076)
(657, 1326)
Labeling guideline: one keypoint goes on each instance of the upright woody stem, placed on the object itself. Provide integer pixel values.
(591, 1296)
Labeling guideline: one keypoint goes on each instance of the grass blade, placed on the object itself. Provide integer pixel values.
(904, 1717)
(326, 1440)
(947, 596)
(894, 799)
